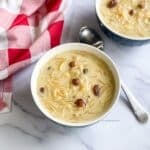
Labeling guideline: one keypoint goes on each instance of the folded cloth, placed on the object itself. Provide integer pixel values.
(28, 28)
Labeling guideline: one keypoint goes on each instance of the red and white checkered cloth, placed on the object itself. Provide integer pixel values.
(28, 28)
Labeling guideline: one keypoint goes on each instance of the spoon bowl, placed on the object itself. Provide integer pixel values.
(89, 36)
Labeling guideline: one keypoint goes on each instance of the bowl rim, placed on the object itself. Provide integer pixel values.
(97, 6)
(55, 51)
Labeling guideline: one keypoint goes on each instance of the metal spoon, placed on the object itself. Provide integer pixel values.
(90, 36)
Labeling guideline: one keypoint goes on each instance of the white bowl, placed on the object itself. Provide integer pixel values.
(103, 23)
(63, 48)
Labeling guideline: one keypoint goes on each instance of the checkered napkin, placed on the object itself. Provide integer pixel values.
(28, 28)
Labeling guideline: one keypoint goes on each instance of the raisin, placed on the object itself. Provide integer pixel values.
(72, 64)
(131, 12)
(141, 5)
(75, 81)
(96, 90)
(112, 3)
(80, 103)
(42, 89)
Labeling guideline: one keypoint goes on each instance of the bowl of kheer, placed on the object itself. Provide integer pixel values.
(75, 84)
(128, 19)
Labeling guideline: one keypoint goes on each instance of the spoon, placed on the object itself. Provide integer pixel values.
(90, 36)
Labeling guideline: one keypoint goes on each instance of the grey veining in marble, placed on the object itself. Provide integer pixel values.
(26, 127)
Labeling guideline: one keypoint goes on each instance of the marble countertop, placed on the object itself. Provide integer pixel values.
(27, 128)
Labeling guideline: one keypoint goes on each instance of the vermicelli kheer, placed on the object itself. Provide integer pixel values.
(76, 86)
(128, 17)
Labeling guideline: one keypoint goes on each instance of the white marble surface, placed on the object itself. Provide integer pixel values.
(25, 128)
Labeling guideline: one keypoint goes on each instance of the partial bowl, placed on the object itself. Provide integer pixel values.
(75, 47)
(122, 38)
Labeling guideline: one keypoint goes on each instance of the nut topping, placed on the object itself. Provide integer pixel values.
(72, 64)
(75, 81)
(112, 3)
(49, 67)
(80, 103)
(85, 70)
(96, 90)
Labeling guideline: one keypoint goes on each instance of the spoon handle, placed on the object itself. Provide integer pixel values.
(140, 113)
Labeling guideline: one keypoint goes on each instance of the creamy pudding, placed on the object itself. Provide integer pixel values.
(127, 17)
(76, 86)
